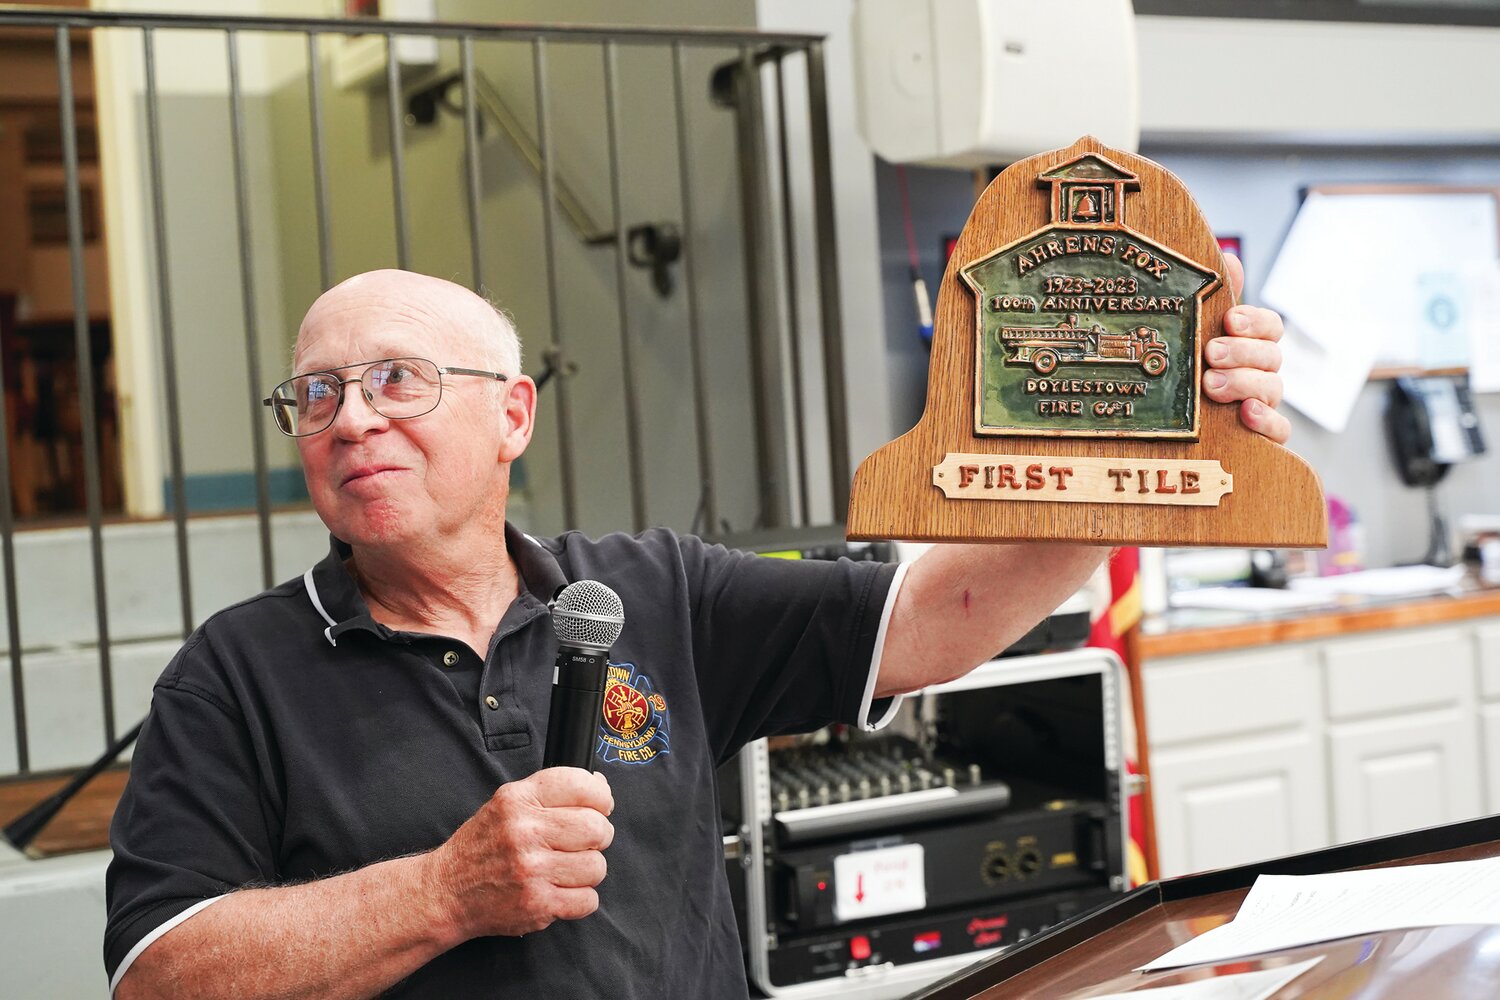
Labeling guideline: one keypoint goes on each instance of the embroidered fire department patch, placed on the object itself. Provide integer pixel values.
(634, 720)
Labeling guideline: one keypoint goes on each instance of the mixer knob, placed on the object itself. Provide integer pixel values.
(804, 797)
(885, 784)
(783, 801)
(824, 796)
(844, 793)
(864, 788)
(924, 777)
(950, 777)
(904, 780)
(975, 776)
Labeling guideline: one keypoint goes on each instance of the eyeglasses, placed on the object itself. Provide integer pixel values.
(396, 388)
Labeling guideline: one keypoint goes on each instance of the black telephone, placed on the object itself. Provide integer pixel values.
(1432, 426)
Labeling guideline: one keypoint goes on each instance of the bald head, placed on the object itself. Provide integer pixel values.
(348, 321)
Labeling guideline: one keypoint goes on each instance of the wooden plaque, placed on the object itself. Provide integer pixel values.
(1064, 398)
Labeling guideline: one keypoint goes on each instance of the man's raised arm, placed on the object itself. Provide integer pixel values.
(960, 605)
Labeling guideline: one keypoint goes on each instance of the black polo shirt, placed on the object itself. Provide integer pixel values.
(294, 737)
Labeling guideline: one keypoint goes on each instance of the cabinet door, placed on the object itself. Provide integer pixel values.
(1404, 772)
(1238, 801)
(1489, 727)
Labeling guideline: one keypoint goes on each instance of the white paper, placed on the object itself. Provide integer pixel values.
(1396, 581)
(1249, 599)
(1289, 911)
(1259, 985)
(1323, 383)
(874, 883)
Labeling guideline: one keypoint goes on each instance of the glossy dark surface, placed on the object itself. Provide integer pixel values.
(1416, 964)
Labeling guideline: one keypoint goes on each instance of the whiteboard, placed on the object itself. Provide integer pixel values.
(1373, 278)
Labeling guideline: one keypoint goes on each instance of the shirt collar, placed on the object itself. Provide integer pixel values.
(336, 597)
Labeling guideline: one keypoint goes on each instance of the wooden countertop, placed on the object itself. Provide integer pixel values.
(1174, 634)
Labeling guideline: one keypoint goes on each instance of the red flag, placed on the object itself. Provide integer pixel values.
(1124, 602)
(1108, 632)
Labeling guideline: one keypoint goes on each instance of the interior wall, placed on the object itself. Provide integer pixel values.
(854, 231)
(512, 249)
(1223, 79)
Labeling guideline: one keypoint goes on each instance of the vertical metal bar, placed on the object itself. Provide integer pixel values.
(549, 243)
(164, 321)
(247, 302)
(627, 374)
(471, 155)
(708, 499)
(765, 363)
(320, 166)
(793, 303)
(398, 163)
(826, 240)
(84, 347)
(12, 601)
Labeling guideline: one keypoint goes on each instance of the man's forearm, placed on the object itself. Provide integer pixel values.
(343, 938)
(961, 604)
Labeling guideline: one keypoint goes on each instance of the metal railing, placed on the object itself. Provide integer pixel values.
(774, 279)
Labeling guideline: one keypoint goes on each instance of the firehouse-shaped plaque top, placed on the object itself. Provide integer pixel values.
(1064, 390)
(1086, 328)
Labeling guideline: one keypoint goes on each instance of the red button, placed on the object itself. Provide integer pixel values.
(859, 948)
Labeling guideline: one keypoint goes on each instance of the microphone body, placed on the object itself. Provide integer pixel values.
(578, 680)
(587, 617)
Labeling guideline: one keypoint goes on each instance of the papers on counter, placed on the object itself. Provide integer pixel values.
(1249, 599)
(1397, 581)
(1289, 911)
(1258, 985)
(1323, 591)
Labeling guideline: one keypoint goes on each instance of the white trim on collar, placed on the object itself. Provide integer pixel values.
(312, 592)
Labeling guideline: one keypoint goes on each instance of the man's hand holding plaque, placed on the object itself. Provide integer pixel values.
(1242, 364)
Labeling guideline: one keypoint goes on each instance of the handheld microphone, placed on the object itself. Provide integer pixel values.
(587, 617)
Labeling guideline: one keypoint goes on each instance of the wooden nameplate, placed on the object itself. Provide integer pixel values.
(1064, 400)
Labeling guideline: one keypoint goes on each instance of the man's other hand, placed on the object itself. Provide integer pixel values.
(532, 854)
(1243, 365)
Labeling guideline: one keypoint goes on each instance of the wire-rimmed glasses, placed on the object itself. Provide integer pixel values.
(396, 388)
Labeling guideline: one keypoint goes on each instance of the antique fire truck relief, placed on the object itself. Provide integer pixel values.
(1086, 328)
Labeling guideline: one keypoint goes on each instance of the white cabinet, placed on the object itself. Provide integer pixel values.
(1238, 801)
(1489, 734)
(1395, 774)
(1295, 746)
(1237, 768)
(1489, 711)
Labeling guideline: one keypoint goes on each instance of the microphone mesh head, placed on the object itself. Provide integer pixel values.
(588, 613)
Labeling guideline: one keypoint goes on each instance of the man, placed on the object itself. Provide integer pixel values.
(339, 790)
